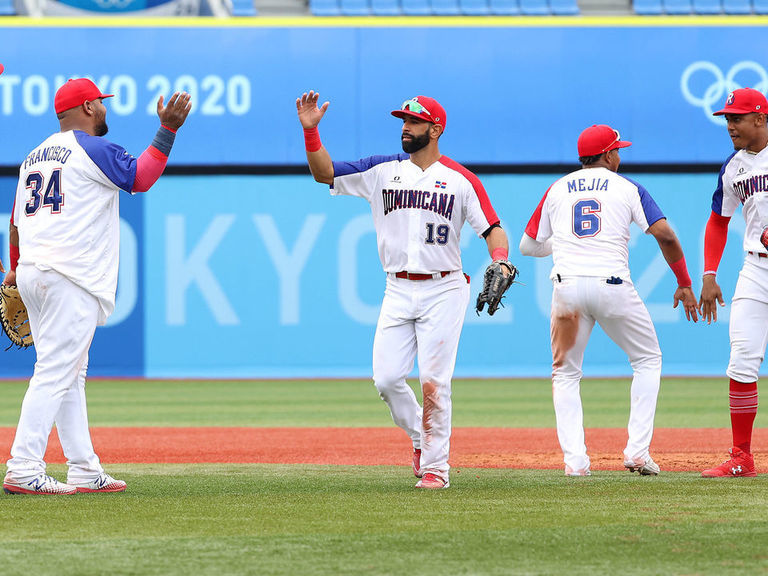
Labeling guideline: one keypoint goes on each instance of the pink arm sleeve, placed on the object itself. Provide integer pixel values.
(149, 167)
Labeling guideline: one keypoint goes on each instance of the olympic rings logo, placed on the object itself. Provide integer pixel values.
(751, 74)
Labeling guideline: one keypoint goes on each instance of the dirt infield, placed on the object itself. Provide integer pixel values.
(674, 449)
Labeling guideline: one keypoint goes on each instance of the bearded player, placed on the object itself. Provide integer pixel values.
(419, 201)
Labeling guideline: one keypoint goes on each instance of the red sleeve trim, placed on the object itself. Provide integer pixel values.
(715, 237)
(532, 229)
(482, 195)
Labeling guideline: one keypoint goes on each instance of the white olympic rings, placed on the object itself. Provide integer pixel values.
(713, 97)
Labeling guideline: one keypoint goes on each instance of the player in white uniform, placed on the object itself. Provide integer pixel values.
(419, 201)
(64, 258)
(743, 181)
(584, 220)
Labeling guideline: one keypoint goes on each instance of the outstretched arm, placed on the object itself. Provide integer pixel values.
(715, 238)
(151, 164)
(310, 114)
(673, 254)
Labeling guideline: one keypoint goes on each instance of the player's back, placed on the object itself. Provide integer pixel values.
(590, 212)
(67, 208)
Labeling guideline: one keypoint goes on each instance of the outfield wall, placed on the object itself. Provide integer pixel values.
(267, 276)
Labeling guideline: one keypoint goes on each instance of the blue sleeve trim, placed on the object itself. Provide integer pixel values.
(344, 168)
(651, 210)
(112, 160)
(717, 197)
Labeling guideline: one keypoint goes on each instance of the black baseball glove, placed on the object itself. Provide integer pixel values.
(495, 283)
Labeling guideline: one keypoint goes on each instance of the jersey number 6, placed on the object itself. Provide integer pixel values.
(586, 218)
(52, 196)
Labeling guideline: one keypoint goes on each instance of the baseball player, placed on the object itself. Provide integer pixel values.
(743, 181)
(419, 201)
(584, 220)
(64, 258)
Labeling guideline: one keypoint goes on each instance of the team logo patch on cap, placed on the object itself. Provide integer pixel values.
(730, 99)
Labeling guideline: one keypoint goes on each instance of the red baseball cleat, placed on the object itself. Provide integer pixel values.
(741, 464)
(417, 462)
(432, 481)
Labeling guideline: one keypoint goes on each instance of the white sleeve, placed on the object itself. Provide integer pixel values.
(531, 247)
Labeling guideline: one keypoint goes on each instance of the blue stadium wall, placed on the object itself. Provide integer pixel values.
(266, 275)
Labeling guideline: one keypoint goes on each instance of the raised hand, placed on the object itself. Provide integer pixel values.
(175, 113)
(309, 113)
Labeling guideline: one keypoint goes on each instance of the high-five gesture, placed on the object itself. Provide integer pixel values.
(175, 113)
(309, 113)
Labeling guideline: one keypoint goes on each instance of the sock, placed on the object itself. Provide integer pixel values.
(743, 402)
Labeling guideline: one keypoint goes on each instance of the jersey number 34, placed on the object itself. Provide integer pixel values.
(52, 196)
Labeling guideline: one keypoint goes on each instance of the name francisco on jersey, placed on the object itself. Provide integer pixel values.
(439, 203)
(49, 153)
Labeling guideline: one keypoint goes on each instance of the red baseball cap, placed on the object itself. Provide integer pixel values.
(744, 101)
(598, 139)
(422, 107)
(76, 92)
(1, 68)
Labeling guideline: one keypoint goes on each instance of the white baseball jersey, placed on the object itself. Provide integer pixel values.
(418, 214)
(743, 181)
(67, 210)
(588, 215)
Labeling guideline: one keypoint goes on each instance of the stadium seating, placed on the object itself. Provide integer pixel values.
(504, 7)
(677, 6)
(647, 7)
(385, 7)
(707, 6)
(355, 7)
(239, 8)
(563, 7)
(737, 6)
(324, 7)
(445, 7)
(534, 7)
(416, 7)
(474, 7)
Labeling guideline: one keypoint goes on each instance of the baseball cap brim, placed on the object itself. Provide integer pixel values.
(733, 110)
(404, 113)
(620, 144)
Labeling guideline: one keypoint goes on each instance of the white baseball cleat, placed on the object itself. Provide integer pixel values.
(645, 467)
(40, 484)
(581, 472)
(104, 483)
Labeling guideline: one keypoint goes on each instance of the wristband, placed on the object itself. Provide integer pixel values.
(312, 139)
(709, 273)
(164, 139)
(681, 273)
(14, 250)
(500, 254)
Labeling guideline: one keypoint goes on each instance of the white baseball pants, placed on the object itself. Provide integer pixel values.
(748, 327)
(62, 317)
(577, 303)
(423, 317)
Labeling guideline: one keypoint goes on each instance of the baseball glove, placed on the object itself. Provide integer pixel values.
(13, 316)
(495, 283)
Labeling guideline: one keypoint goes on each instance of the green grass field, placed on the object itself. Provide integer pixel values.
(291, 520)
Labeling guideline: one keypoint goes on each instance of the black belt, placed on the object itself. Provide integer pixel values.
(759, 254)
(411, 276)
